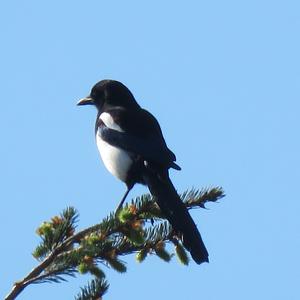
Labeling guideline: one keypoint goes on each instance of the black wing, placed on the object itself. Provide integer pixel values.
(142, 136)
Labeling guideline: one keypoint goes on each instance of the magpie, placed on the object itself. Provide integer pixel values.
(133, 149)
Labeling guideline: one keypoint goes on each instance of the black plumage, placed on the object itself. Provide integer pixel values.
(133, 149)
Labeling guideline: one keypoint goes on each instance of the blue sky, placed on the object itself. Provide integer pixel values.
(223, 79)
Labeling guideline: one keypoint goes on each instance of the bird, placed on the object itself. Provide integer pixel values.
(133, 149)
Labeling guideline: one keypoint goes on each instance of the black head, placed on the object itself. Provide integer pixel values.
(109, 93)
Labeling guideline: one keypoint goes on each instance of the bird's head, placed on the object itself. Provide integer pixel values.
(109, 93)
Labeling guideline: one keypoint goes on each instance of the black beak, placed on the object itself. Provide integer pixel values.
(86, 101)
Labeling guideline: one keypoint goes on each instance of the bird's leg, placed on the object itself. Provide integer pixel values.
(129, 187)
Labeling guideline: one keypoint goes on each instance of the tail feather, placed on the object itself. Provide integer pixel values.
(177, 214)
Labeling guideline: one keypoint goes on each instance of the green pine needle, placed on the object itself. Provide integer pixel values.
(162, 253)
(136, 237)
(141, 255)
(181, 254)
(94, 290)
(97, 272)
(125, 215)
(117, 265)
(83, 268)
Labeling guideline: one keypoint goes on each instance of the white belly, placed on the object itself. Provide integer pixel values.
(116, 160)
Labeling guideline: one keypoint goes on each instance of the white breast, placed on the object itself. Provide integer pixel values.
(116, 160)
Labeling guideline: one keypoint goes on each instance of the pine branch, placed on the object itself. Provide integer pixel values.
(93, 290)
(138, 228)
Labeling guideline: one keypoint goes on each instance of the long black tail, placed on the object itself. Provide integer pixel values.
(177, 214)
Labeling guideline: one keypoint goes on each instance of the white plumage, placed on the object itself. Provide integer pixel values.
(116, 160)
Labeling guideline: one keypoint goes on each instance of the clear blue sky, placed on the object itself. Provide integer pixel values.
(223, 79)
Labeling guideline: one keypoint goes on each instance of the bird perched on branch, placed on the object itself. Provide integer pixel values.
(133, 149)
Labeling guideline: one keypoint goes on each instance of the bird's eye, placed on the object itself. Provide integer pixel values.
(99, 95)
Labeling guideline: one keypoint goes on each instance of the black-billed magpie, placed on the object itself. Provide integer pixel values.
(133, 149)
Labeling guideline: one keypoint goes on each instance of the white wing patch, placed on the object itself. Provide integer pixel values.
(109, 122)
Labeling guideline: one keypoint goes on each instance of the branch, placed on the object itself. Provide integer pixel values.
(34, 274)
(138, 228)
